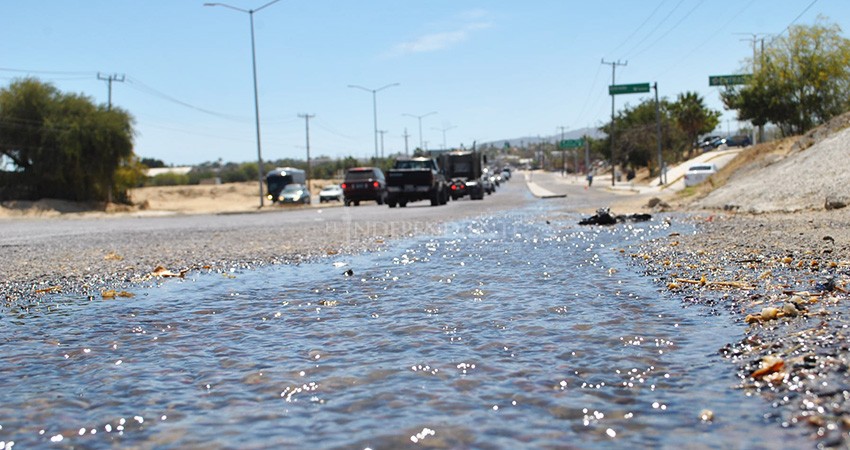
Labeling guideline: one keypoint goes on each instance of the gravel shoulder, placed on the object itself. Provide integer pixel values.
(773, 250)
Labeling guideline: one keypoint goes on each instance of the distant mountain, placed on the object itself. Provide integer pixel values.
(523, 141)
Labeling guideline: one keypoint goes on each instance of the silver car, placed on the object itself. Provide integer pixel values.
(331, 192)
(698, 173)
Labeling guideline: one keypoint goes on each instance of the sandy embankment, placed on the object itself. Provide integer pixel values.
(196, 199)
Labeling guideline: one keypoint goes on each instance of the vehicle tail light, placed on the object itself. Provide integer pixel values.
(454, 187)
(376, 184)
(344, 186)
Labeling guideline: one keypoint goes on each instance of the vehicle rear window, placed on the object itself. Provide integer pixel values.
(358, 175)
(413, 164)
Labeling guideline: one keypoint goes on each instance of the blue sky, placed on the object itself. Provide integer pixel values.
(492, 70)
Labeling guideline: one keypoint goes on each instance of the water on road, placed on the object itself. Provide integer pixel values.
(517, 331)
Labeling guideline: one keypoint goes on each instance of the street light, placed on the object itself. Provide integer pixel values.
(374, 106)
(444, 129)
(250, 13)
(420, 125)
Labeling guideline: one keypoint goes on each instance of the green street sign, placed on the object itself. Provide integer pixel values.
(616, 89)
(572, 143)
(728, 80)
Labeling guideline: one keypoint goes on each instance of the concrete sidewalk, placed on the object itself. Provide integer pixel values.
(675, 177)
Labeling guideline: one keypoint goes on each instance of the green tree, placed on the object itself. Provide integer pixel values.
(693, 117)
(63, 145)
(800, 81)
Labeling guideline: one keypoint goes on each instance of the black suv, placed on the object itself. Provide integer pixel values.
(364, 183)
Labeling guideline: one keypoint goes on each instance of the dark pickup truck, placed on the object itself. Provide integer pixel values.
(413, 179)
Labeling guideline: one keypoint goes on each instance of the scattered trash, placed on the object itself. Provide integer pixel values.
(603, 216)
(827, 285)
(111, 294)
(162, 272)
(706, 415)
(704, 282)
(769, 365)
(49, 290)
(112, 256)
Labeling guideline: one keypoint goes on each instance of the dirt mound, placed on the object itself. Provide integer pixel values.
(808, 175)
(45, 207)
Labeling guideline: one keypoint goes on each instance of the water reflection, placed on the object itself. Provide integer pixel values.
(503, 332)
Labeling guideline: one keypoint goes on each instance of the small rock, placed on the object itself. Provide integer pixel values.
(836, 201)
(348, 273)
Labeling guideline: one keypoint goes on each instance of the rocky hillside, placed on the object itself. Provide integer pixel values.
(813, 175)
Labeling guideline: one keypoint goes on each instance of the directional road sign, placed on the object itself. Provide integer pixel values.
(572, 143)
(728, 80)
(615, 89)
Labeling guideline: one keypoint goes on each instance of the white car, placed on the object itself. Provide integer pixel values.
(699, 173)
(331, 193)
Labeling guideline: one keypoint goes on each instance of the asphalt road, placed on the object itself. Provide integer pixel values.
(86, 253)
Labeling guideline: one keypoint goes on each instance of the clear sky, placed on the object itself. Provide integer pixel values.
(491, 69)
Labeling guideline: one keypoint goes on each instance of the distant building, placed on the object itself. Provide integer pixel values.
(163, 170)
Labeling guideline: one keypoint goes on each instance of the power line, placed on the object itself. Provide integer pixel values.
(648, 35)
(629, 38)
(669, 30)
(796, 19)
(47, 72)
(142, 87)
(710, 38)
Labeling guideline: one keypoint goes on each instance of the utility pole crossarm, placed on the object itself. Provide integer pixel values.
(109, 79)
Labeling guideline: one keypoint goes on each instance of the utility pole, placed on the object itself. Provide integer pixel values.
(586, 155)
(382, 132)
(563, 153)
(658, 137)
(406, 151)
(307, 118)
(109, 79)
(613, 65)
(754, 38)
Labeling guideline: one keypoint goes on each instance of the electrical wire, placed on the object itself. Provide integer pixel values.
(589, 95)
(629, 38)
(795, 20)
(691, 11)
(710, 38)
(657, 26)
(142, 87)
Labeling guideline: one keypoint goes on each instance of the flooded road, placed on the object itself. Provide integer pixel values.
(520, 330)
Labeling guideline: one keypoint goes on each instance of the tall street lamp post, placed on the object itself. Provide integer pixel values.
(374, 106)
(444, 129)
(250, 13)
(420, 125)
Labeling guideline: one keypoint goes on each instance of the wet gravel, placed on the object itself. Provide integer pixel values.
(92, 264)
(786, 275)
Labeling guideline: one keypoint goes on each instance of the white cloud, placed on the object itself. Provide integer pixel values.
(442, 40)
